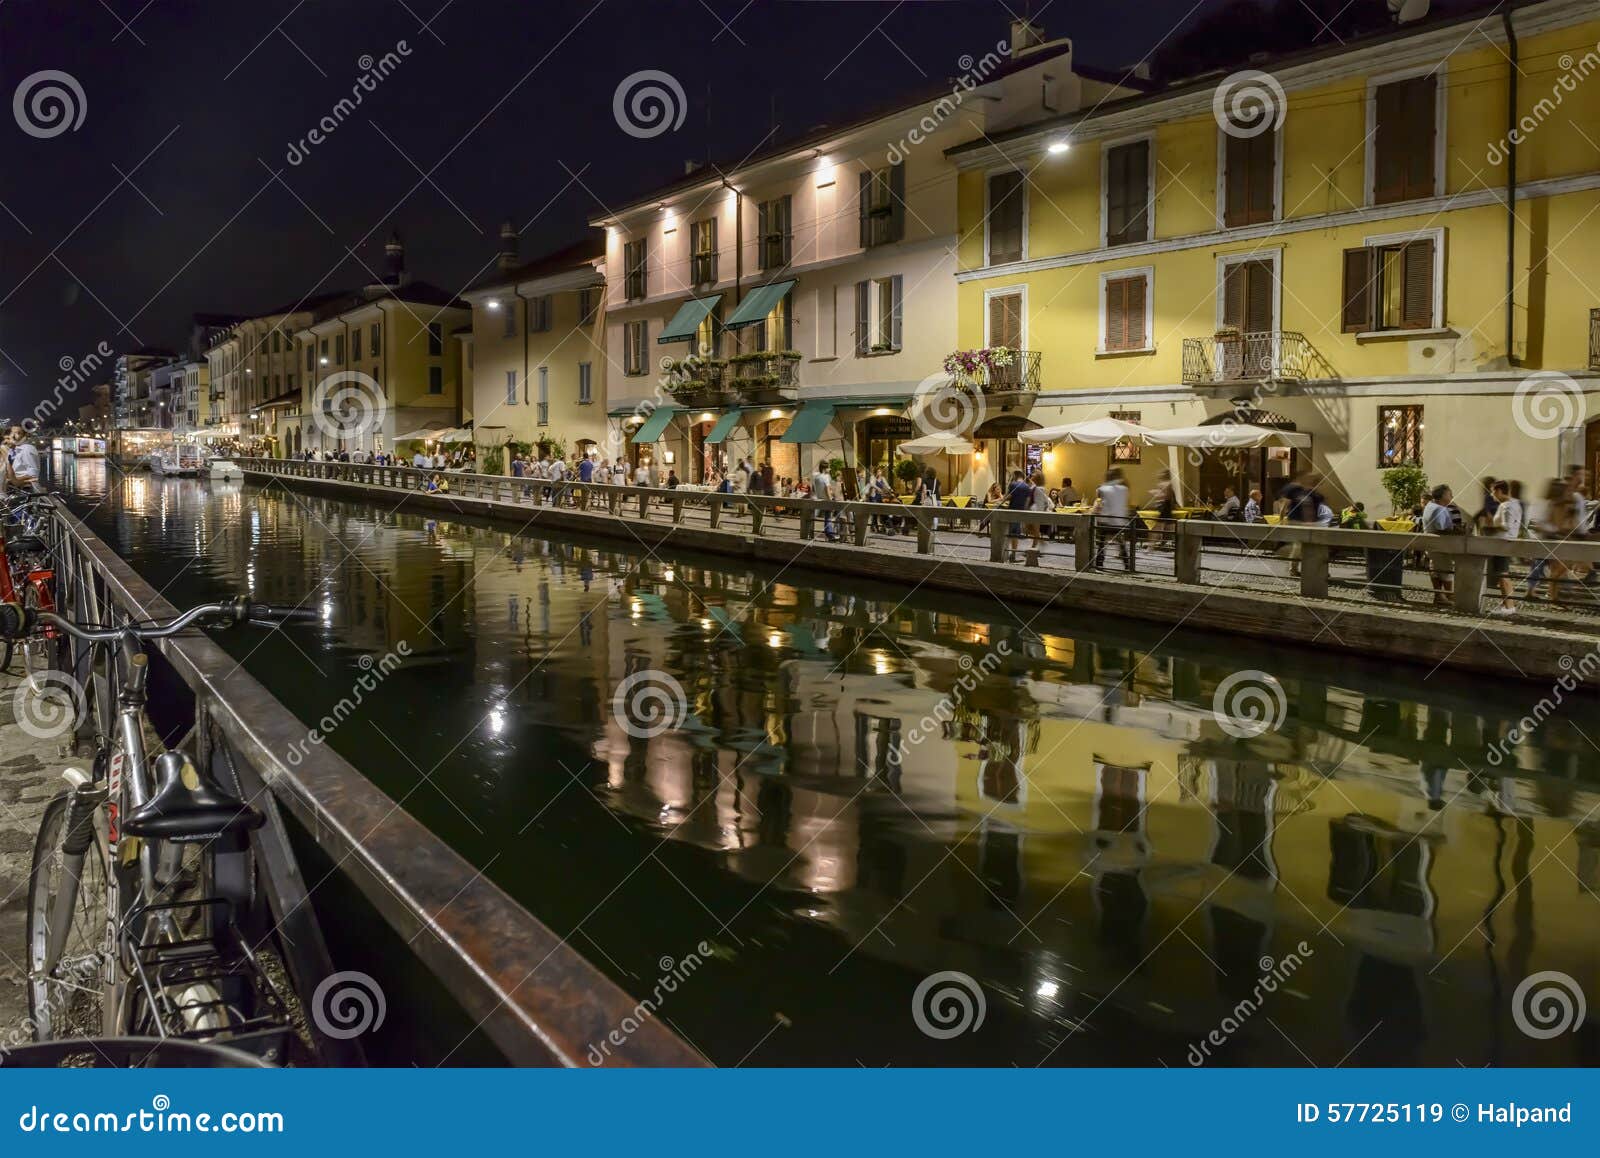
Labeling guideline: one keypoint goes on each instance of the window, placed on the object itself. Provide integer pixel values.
(1250, 178)
(539, 314)
(511, 321)
(377, 339)
(588, 305)
(708, 334)
(1128, 450)
(775, 332)
(1402, 130)
(435, 380)
(544, 395)
(772, 233)
(435, 339)
(585, 383)
(324, 347)
(878, 315)
(1249, 295)
(1393, 284)
(1125, 312)
(511, 387)
(703, 252)
(1399, 436)
(827, 324)
(338, 348)
(634, 338)
(1007, 211)
(274, 341)
(1127, 193)
(883, 205)
(633, 270)
(311, 358)
(1004, 319)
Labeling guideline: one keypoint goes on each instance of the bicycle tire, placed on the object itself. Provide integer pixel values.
(48, 1012)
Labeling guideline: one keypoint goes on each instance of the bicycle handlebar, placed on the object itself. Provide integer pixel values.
(17, 622)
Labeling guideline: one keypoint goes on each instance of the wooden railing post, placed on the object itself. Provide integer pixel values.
(997, 539)
(1314, 569)
(924, 530)
(1083, 543)
(1470, 570)
(1186, 552)
(863, 522)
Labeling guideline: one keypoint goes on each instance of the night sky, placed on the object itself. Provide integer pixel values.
(500, 110)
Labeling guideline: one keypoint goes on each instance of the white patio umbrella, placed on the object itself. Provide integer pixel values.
(941, 442)
(426, 430)
(454, 434)
(1096, 431)
(1227, 436)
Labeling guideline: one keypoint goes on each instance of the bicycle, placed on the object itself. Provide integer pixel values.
(141, 897)
(25, 577)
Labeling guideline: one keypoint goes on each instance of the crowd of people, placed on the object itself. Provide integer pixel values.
(461, 459)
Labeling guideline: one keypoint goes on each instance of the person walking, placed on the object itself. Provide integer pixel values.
(1437, 519)
(1111, 513)
(1040, 503)
(822, 491)
(1019, 497)
(1507, 523)
(1555, 520)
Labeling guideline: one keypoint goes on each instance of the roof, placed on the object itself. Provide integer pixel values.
(1206, 82)
(569, 257)
(820, 133)
(419, 292)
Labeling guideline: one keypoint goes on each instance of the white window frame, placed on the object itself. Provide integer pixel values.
(1006, 291)
(987, 209)
(627, 340)
(880, 326)
(511, 388)
(1222, 180)
(1273, 255)
(1105, 191)
(1437, 236)
(1149, 347)
(1441, 94)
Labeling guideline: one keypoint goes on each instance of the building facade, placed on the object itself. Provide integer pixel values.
(1384, 258)
(537, 352)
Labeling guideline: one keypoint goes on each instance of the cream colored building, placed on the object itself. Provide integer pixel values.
(253, 362)
(538, 356)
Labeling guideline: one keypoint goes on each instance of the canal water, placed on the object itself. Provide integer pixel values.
(879, 826)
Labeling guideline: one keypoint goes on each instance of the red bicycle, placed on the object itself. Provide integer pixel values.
(26, 579)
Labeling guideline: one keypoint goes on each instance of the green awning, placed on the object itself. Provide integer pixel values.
(685, 324)
(761, 302)
(654, 426)
(809, 423)
(724, 427)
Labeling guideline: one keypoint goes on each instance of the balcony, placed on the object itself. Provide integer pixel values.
(996, 370)
(1594, 339)
(1230, 357)
(766, 377)
(698, 383)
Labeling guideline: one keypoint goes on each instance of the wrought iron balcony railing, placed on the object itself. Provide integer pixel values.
(1021, 374)
(1270, 355)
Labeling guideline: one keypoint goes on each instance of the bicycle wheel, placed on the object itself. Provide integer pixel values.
(68, 1000)
(40, 654)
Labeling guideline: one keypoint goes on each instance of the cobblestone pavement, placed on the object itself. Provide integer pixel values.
(30, 775)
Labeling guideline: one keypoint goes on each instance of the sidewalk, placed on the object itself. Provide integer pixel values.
(30, 775)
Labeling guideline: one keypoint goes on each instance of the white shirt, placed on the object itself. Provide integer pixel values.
(1041, 499)
(25, 460)
(1113, 500)
(1508, 517)
(641, 477)
(821, 485)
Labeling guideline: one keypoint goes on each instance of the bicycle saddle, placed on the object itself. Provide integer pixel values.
(188, 807)
(27, 545)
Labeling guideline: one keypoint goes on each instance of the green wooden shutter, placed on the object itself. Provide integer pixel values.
(865, 200)
(897, 312)
(863, 318)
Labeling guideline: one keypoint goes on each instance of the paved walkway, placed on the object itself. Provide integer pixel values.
(30, 775)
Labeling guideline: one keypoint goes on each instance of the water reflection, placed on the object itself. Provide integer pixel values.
(868, 789)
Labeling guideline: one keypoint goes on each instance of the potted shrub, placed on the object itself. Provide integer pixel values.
(907, 473)
(1407, 486)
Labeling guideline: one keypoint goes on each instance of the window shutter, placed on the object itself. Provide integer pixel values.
(1417, 308)
(1237, 183)
(1258, 297)
(1261, 182)
(1133, 319)
(897, 204)
(762, 229)
(1358, 296)
(865, 186)
(1420, 98)
(895, 314)
(1116, 336)
(1233, 296)
(863, 318)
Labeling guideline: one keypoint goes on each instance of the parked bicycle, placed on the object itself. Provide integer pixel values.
(26, 576)
(143, 913)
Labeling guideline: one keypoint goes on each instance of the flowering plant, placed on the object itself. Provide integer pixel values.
(968, 362)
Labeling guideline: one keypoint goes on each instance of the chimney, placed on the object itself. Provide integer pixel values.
(508, 246)
(1025, 34)
(690, 167)
(394, 260)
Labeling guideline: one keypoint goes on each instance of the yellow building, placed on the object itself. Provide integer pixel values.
(1360, 243)
(538, 354)
(381, 367)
